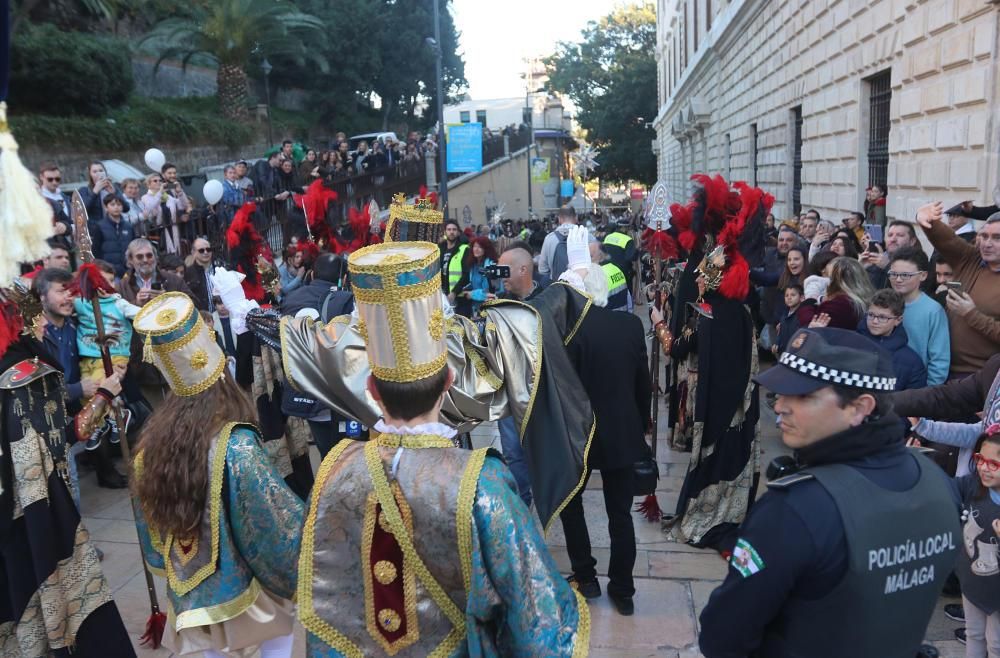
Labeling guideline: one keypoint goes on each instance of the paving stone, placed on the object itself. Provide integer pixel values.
(662, 620)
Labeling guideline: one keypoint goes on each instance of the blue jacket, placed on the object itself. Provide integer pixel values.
(111, 240)
(910, 370)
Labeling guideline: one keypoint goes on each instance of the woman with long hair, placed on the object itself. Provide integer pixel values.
(475, 287)
(215, 514)
(796, 262)
(844, 244)
(847, 297)
(98, 186)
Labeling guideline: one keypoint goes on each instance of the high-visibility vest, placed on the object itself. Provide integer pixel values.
(617, 287)
(455, 266)
(616, 239)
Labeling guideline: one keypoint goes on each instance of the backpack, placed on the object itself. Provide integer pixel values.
(560, 261)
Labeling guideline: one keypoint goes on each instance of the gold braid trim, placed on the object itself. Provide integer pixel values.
(220, 612)
(583, 477)
(383, 269)
(304, 591)
(183, 341)
(579, 320)
(413, 441)
(148, 308)
(391, 512)
(463, 512)
(411, 373)
(409, 582)
(186, 390)
(406, 293)
(483, 370)
(181, 587)
(581, 648)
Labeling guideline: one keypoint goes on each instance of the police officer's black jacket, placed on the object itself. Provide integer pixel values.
(800, 538)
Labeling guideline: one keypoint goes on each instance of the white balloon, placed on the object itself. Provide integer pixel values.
(212, 192)
(154, 159)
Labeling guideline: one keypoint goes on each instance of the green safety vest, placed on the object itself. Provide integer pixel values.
(617, 286)
(455, 266)
(617, 239)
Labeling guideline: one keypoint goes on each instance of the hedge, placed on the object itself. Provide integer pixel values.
(68, 73)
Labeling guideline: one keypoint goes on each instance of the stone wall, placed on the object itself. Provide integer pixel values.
(188, 159)
(762, 58)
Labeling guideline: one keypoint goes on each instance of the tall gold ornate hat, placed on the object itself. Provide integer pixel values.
(397, 290)
(180, 344)
(411, 223)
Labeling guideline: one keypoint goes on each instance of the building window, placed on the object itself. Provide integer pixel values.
(880, 93)
(481, 116)
(694, 11)
(463, 116)
(684, 44)
(729, 157)
(753, 151)
(708, 15)
(797, 160)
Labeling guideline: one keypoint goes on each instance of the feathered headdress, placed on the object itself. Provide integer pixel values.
(315, 203)
(734, 220)
(245, 246)
(431, 199)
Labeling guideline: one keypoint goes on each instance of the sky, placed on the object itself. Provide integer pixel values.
(495, 37)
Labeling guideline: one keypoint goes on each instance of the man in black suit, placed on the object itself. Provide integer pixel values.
(198, 275)
(62, 214)
(609, 354)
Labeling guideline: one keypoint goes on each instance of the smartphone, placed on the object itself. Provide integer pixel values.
(874, 231)
(156, 285)
(956, 286)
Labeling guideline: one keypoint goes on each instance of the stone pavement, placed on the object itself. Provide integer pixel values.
(673, 581)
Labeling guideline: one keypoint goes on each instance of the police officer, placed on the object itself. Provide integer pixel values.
(847, 556)
(620, 248)
(619, 297)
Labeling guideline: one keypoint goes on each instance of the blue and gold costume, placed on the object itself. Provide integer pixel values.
(378, 573)
(230, 583)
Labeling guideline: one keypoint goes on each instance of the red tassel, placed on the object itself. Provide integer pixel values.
(242, 224)
(659, 243)
(650, 508)
(155, 625)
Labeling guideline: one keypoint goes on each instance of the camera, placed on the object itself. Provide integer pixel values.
(497, 271)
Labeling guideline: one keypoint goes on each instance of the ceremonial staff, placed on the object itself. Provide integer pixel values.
(91, 283)
(660, 246)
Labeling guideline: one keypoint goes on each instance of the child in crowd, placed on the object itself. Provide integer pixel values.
(117, 315)
(883, 324)
(794, 296)
(977, 568)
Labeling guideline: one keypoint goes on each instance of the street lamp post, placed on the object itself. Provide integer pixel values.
(442, 148)
(266, 67)
(530, 122)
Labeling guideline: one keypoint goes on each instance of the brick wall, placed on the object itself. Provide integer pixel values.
(764, 57)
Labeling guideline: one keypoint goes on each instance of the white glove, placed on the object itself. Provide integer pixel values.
(578, 248)
(227, 285)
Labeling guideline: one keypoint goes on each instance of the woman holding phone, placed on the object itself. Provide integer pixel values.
(99, 186)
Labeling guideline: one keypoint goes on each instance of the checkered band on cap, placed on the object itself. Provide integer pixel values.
(837, 376)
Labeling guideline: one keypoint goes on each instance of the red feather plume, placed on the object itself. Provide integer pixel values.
(11, 324)
(315, 202)
(242, 226)
(89, 279)
(309, 251)
(659, 244)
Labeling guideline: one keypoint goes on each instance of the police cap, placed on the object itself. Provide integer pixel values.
(816, 358)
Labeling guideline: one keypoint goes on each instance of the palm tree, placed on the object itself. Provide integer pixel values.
(231, 32)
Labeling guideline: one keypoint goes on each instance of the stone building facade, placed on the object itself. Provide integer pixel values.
(816, 99)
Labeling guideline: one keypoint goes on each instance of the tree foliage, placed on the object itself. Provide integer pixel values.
(610, 74)
(85, 75)
(378, 47)
(235, 33)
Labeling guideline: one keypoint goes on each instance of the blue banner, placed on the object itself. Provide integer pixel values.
(464, 150)
(567, 188)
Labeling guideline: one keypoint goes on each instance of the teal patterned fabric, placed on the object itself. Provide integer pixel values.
(519, 604)
(261, 537)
